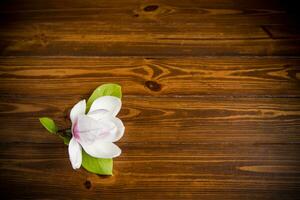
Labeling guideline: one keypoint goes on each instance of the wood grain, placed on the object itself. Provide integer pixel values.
(211, 94)
(227, 76)
(204, 120)
(214, 144)
(90, 29)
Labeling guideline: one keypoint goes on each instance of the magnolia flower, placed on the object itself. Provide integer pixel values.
(95, 131)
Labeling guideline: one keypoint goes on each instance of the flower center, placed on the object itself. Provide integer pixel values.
(75, 131)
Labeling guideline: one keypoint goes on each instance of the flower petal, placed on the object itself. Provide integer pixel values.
(110, 103)
(118, 131)
(75, 153)
(78, 109)
(88, 130)
(99, 114)
(102, 149)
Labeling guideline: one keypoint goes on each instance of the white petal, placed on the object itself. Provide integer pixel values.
(110, 129)
(90, 130)
(121, 129)
(110, 103)
(75, 153)
(78, 109)
(102, 149)
(99, 114)
(118, 131)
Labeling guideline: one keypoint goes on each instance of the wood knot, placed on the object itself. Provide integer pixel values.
(151, 8)
(152, 85)
(87, 184)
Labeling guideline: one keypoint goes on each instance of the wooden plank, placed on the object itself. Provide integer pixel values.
(105, 39)
(179, 29)
(215, 76)
(138, 177)
(187, 119)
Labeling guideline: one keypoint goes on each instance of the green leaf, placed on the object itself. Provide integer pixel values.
(108, 89)
(49, 124)
(102, 166)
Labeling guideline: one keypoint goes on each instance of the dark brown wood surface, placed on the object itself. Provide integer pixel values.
(211, 97)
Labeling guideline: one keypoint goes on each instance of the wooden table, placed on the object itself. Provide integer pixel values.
(211, 97)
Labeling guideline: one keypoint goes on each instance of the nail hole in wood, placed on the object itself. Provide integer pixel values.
(152, 85)
(151, 8)
(136, 15)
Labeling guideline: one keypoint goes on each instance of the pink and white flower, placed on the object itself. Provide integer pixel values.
(95, 131)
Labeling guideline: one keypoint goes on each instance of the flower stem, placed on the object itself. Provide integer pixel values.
(65, 133)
